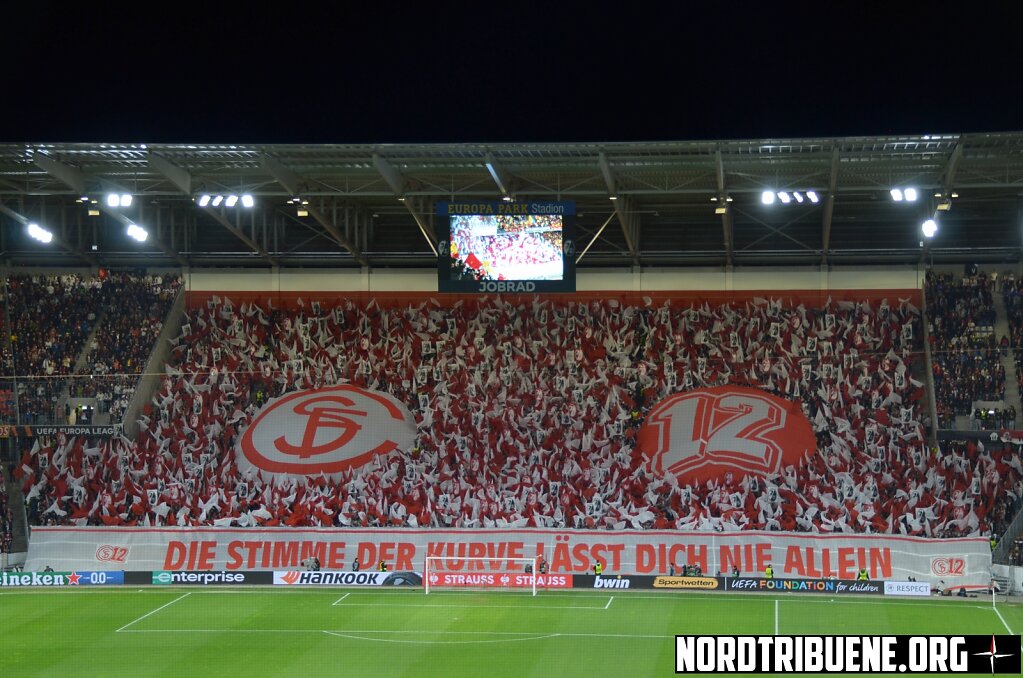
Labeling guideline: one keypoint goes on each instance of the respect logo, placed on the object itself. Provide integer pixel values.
(326, 430)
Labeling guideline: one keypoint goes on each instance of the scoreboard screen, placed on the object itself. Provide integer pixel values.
(506, 247)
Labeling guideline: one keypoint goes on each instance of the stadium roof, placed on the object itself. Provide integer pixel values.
(372, 205)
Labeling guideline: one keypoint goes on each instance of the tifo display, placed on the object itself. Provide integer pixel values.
(507, 413)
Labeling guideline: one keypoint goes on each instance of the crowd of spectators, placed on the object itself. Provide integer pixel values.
(965, 354)
(1016, 553)
(513, 223)
(995, 485)
(52, 317)
(526, 415)
(1012, 294)
(996, 419)
(8, 410)
(554, 240)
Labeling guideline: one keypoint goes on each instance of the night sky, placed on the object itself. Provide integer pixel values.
(526, 72)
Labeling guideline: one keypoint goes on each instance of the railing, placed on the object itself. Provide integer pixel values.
(152, 373)
(932, 393)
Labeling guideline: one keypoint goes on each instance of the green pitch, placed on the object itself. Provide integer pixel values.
(183, 632)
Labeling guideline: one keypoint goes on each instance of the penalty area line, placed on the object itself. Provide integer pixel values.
(517, 639)
(609, 601)
(152, 612)
(341, 598)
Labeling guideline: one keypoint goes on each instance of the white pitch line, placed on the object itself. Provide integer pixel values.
(417, 632)
(775, 616)
(999, 613)
(341, 598)
(609, 600)
(1006, 625)
(463, 606)
(149, 614)
(447, 642)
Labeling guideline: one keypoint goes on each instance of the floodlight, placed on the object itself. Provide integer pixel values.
(125, 200)
(217, 200)
(113, 200)
(767, 197)
(910, 194)
(204, 200)
(929, 228)
(896, 194)
(784, 197)
(812, 195)
(40, 233)
(232, 200)
(247, 201)
(798, 196)
(137, 233)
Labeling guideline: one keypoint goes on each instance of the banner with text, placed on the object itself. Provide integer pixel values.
(787, 586)
(640, 581)
(907, 588)
(793, 556)
(8, 579)
(517, 580)
(341, 578)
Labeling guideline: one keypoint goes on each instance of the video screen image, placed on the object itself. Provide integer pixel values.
(507, 247)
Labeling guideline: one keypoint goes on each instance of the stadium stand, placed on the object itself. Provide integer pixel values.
(1012, 294)
(8, 409)
(527, 411)
(52, 316)
(122, 344)
(965, 353)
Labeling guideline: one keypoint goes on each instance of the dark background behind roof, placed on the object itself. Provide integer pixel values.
(388, 72)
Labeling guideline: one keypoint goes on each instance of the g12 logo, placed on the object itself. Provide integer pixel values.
(111, 554)
(948, 567)
(699, 435)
